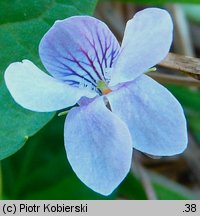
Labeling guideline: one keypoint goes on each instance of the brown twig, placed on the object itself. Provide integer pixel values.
(174, 79)
(185, 64)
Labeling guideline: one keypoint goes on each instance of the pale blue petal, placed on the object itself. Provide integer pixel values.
(146, 42)
(79, 50)
(34, 90)
(154, 117)
(98, 146)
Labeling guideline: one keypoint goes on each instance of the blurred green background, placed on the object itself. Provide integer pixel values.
(33, 158)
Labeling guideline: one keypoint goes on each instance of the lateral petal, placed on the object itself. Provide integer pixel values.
(34, 90)
(154, 117)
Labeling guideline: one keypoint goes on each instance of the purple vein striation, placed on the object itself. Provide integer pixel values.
(86, 60)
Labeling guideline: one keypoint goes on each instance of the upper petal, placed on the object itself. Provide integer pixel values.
(79, 50)
(98, 146)
(147, 40)
(37, 91)
(154, 117)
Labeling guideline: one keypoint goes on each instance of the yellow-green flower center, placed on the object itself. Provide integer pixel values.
(102, 86)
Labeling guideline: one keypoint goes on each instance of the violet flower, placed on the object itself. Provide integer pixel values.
(119, 109)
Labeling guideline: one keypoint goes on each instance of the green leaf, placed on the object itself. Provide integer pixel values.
(40, 170)
(158, 2)
(131, 188)
(70, 188)
(22, 25)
